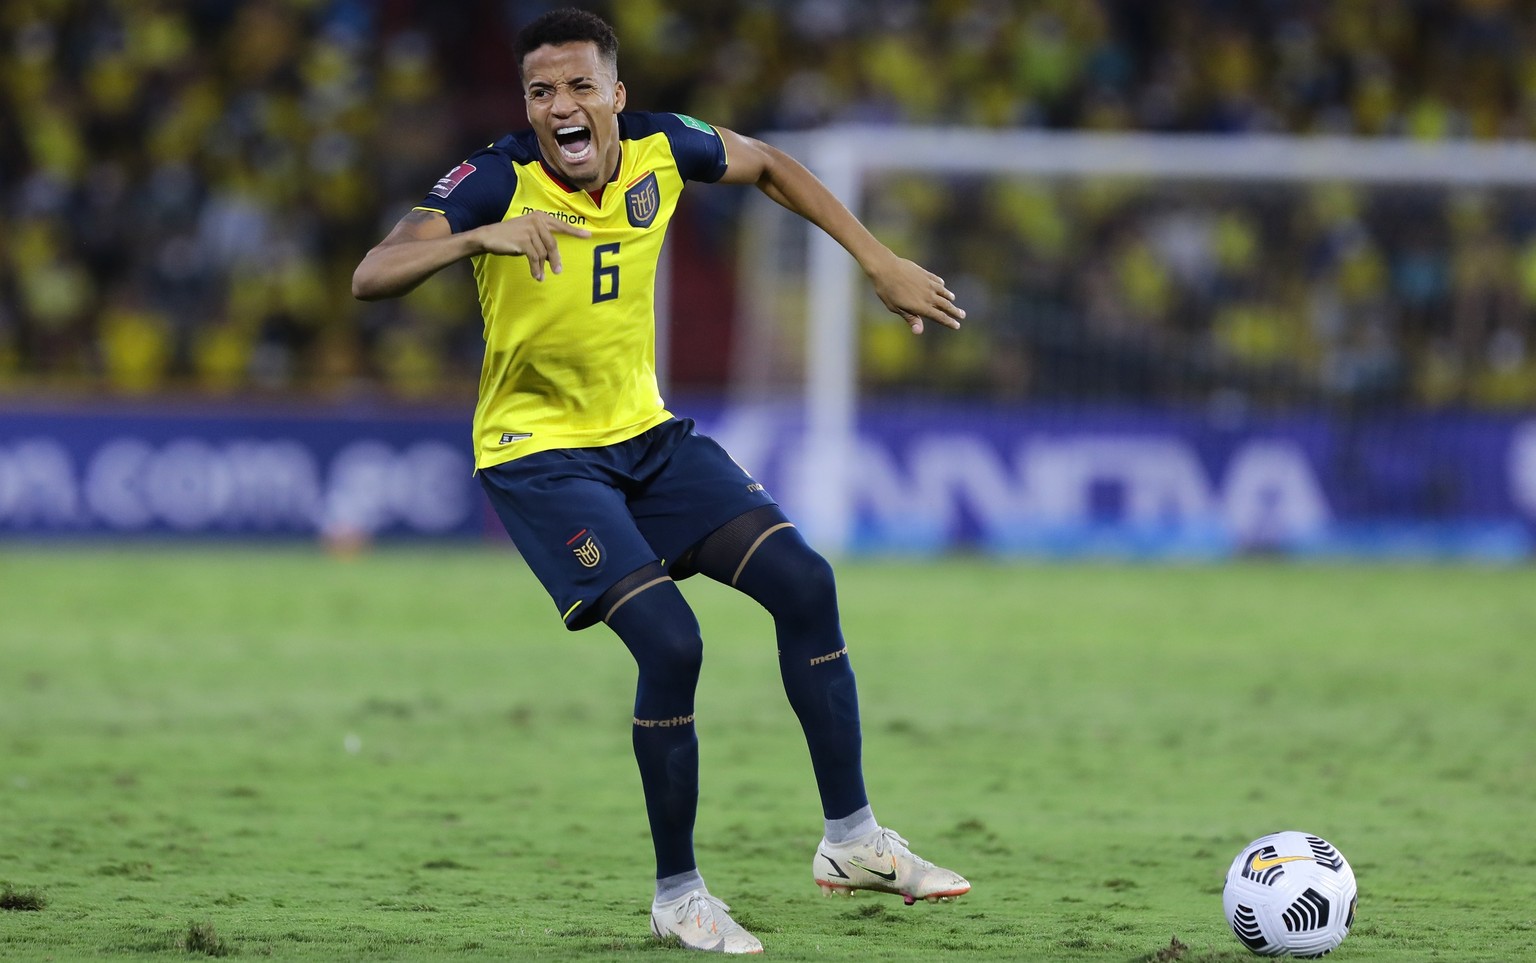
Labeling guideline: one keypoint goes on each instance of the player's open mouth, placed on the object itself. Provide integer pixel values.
(575, 143)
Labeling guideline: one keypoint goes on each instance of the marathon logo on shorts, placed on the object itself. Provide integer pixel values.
(587, 549)
(642, 201)
(451, 179)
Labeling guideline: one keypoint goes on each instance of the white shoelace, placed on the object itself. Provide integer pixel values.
(887, 835)
(685, 908)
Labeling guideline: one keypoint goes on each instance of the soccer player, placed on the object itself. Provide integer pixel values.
(609, 497)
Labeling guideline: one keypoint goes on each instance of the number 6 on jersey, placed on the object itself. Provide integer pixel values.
(605, 277)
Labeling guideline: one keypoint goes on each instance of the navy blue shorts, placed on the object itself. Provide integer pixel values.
(583, 518)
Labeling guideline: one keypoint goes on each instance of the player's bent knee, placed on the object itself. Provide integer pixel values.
(813, 581)
(796, 583)
(646, 610)
(675, 653)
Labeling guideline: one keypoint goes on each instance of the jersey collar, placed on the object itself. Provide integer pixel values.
(570, 188)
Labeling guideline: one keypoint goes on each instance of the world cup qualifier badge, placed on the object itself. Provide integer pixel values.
(587, 549)
(642, 200)
(450, 180)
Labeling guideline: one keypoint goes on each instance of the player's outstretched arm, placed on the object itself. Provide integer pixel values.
(423, 243)
(906, 288)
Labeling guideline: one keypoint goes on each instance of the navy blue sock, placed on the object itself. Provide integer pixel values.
(795, 584)
(663, 635)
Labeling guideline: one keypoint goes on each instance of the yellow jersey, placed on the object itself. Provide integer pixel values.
(570, 361)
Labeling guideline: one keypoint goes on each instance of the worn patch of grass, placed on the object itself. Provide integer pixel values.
(22, 900)
(203, 940)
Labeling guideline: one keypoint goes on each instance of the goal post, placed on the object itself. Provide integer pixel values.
(815, 368)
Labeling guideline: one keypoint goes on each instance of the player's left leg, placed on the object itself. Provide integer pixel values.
(762, 554)
(703, 513)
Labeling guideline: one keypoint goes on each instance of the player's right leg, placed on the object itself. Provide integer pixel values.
(647, 611)
(701, 922)
(649, 614)
(569, 518)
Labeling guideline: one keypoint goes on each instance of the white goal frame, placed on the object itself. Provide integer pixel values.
(844, 156)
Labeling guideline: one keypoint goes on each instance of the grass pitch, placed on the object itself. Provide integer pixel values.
(404, 756)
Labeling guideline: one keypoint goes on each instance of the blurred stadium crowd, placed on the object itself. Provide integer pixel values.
(186, 185)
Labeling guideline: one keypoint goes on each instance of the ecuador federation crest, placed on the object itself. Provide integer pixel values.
(587, 549)
(642, 200)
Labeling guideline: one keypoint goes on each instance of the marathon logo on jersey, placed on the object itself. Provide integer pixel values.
(508, 437)
(451, 179)
(642, 201)
(565, 216)
(587, 549)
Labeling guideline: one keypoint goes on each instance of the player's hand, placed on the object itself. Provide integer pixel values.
(914, 293)
(531, 236)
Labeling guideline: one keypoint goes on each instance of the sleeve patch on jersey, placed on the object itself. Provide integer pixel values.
(451, 179)
(696, 124)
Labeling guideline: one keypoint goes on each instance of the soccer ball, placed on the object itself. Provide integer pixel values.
(1290, 894)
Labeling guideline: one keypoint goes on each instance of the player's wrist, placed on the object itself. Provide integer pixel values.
(474, 242)
(878, 261)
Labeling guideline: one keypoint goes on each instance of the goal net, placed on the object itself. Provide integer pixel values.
(1228, 279)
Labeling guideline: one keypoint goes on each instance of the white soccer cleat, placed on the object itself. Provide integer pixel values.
(701, 922)
(882, 862)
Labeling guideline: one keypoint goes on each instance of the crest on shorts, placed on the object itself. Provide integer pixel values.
(642, 201)
(587, 549)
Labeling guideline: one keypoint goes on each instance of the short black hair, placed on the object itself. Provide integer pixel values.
(568, 25)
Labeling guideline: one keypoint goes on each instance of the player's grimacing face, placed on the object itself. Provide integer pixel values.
(574, 101)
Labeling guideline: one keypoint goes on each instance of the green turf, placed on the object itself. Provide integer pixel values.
(403, 756)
